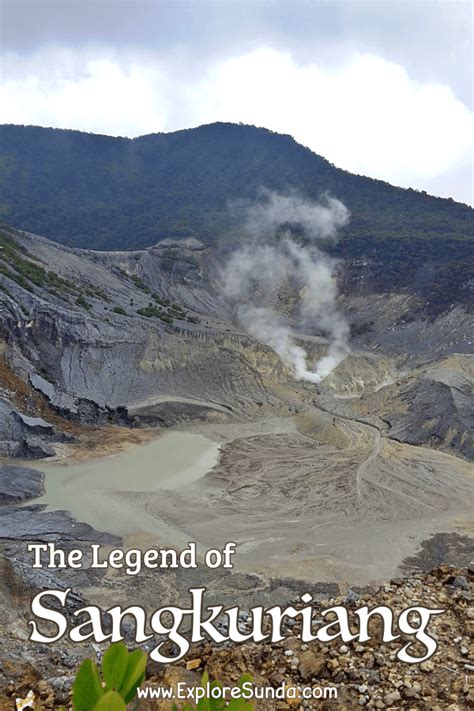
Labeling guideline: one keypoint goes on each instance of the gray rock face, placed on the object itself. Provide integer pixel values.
(36, 424)
(59, 400)
(19, 484)
(435, 412)
(95, 359)
(26, 437)
(34, 523)
(96, 363)
(190, 243)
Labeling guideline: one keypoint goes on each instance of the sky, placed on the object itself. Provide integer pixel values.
(378, 87)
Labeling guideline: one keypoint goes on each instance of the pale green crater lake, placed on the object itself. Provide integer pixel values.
(118, 493)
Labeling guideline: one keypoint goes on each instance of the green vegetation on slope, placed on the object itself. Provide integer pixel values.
(19, 266)
(165, 312)
(111, 193)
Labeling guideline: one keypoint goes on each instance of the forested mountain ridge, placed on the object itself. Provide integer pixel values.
(101, 192)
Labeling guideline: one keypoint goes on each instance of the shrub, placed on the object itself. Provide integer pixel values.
(161, 300)
(115, 686)
(119, 310)
(80, 301)
(151, 311)
(139, 283)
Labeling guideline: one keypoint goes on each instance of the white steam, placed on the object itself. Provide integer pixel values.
(260, 278)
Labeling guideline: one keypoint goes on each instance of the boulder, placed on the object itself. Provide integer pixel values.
(20, 484)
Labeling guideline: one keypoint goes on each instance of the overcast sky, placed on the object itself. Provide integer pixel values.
(378, 87)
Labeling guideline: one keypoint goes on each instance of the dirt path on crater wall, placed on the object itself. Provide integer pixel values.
(362, 468)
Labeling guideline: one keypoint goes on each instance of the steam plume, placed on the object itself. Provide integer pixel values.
(272, 264)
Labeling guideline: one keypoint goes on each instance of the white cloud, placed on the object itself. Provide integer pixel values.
(366, 115)
(98, 95)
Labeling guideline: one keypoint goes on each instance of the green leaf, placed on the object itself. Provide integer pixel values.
(114, 666)
(241, 704)
(216, 704)
(244, 678)
(209, 703)
(111, 701)
(133, 676)
(87, 689)
(204, 679)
